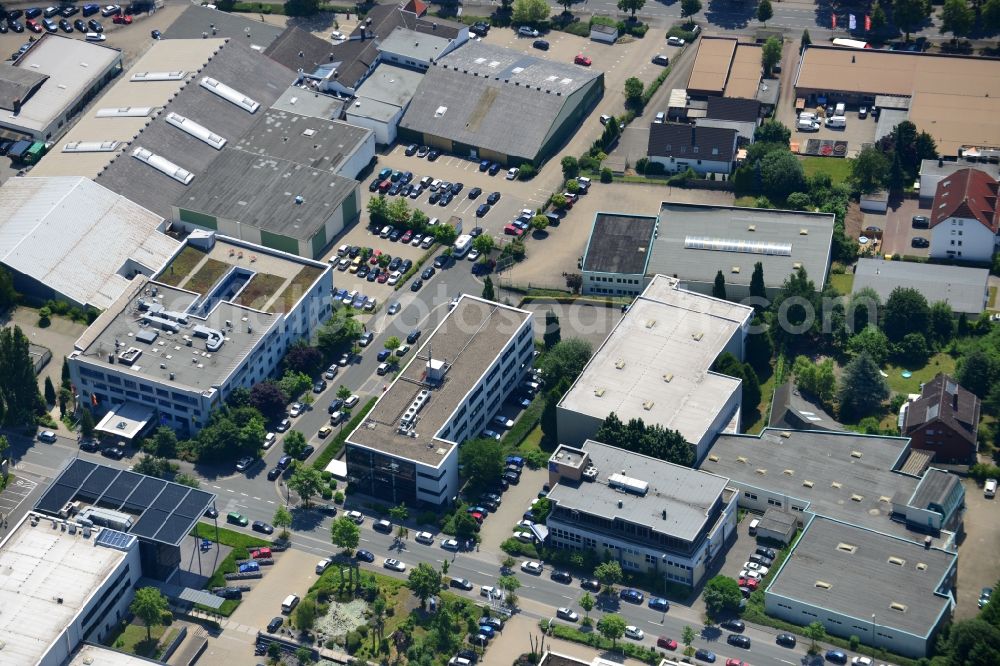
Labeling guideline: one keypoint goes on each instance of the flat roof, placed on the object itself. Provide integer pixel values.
(390, 84)
(468, 341)
(619, 243)
(49, 577)
(165, 55)
(898, 581)
(17, 83)
(667, 331)
(744, 73)
(87, 655)
(711, 65)
(687, 495)
(262, 191)
(942, 168)
(320, 144)
(166, 511)
(73, 67)
(59, 231)
(197, 22)
(962, 287)
(820, 469)
(417, 45)
(308, 102)
(234, 65)
(956, 99)
(695, 241)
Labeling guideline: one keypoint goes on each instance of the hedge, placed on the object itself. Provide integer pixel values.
(525, 424)
(337, 443)
(595, 639)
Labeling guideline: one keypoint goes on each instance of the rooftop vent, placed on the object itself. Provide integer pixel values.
(921, 566)
(898, 561)
(159, 76)
(835, 484)
(668, 376)
(785, 434)
(697, 336)
(803, 232)
(124, 112)
(857, 498)
(736, 269)
(647, 405)
(599, 392)
(752, 227)
(620, 364)
(807, 483)
(896, 606)
(713, 458)
(761, 470)
(741, 459)
(91, 146)
(651, 323)
(822, 584)
(129, 356)
(847, 548)
(441, 110)
(229, 94)
(628, 484)
(163, 165)
(797, 265)
(789, 472)
(194, 129)
(855, 454)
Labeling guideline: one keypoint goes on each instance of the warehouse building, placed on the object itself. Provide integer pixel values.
(964, 289)
(219, 316)
(406, 450)
(475, 102)
(649, 515)
(616, 258)
(655, 366)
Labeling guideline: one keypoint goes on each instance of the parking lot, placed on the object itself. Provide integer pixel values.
(897, 225)
(361, 236)
(857, 133)
(978, 566)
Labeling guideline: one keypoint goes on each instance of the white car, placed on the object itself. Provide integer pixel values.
(417, 238)
(675, 41)
(489, 434)
(323, 566)
(337, 36)
(512, 173)
(531, 567)
(473, 255)
(526, 537)
(356, 516)
(526, 524)
(633, 632)
(296, 409)
(861, 661)
(746, 573)
(424, 538)
(503, 421)
(351, 401)
(490, 592)
(269, 440)
(450, 544)
(393, 564)
(567, 614)
(753, 566)
(394, 278)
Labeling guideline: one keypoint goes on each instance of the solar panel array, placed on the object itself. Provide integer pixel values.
(167, 511)
(115, 539)
(736, 245)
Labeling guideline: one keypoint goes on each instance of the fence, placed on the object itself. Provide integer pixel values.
(174, 644)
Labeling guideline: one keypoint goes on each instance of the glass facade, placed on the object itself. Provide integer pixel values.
(382, 476)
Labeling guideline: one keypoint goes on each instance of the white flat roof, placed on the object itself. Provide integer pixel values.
(89, 655)
(667, 333)
(78, 238)
(73, 67)
(48, 577)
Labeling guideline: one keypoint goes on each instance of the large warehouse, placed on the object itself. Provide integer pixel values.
(488, 102)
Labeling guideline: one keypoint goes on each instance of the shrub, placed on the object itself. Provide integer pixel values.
(327, 494)
(527, 172)
(637, 29)
(606, 175)
(338, 497)
(352, 641)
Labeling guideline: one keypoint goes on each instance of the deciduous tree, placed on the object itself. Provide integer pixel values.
(424, 582)
(872, 341)
(906, 311)
(306, 481)
(908, 15)
(345, 534)
(772, 131)
(149, 605)
(770, 54)
(722, 595)
(294, 443)
(483, 461)
(267, 398)
(689, 8)
(957, 18)
(764, 11)
(869, 169)
(612, 627)
(631, 6)
(530, 11)
(552, 334)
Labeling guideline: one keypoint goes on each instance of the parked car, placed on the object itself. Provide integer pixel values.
(525, 31)
(733, 625)
(704, 655)
(631, 595)
(739, 641)
(461, 583)
(541, 45)
(532, 567)
(394, 564)
(245, 463)
(236, 518)
(675, 41)
(666, 643)
(567, 614)
(633, 632)
(581, 59)
(785, 640)
(836, 656)
(661, 59)
(659, 604)
(365, 555)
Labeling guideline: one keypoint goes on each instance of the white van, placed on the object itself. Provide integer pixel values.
(289, 604)
(459, 661)
(660, 117)
(805, 125)
(840, 109)
(837, 122)
(807, 115)
(990, 489)
(95, 37)
(753, 526)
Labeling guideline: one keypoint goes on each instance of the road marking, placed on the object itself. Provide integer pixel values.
(258, 499)
(217, 487)
(244, 495)
(270, 501)
(229, 490)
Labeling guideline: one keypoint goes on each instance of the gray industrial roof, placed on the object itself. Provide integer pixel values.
(934, 488)
(791, 409)
(262, 192)
(468, 340)
(687, 495)
(416, 45)
(298, 49)
(481, 95)
(947, 167)
(17, 83)
(730, 227)
(859, 573)
(238, 67)
(390, 84)
(820, 472)
(321, 144)
(619, 243)
(963, 288)
(197, 20)
(308, 102)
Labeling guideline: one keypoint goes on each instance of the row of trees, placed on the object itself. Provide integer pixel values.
(20, 400)
(893, 162)
(560, 365)
(397, 212)
(653, 440)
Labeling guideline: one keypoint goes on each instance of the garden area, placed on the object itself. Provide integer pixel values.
(132, 639)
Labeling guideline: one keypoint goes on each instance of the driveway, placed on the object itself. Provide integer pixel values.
(898, 229)
(978, 566)
(499, 526)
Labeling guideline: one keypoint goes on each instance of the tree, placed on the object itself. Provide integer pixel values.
(609, 574)
(764, 11)
(913, 350)
(631, 6)
(991, 16)
(151, 466)
(343, 392)
(303, 358)
(942, 323)
(488, 292)
(908, 15)
(757, 290)
(570, 168)
(722, 595)
(307, 482)
(795, 307)
(187, 480)
(587, 603)
(759, 348)
(872, 341)
(8, 297)
(345, 534)
(687, 638)
(50, 392)
(510, 585)
(424, 582)
(482, 461)
(815, 632)
(781, 173)
(566, 359)
(815, 379)
(445, 234)
(294, 443)
(267, 398)
(149, 605)
(612, 627)
(305, 614)
(633, 89)
(465, 525)
(719, 288)
(654, 441)
(4, 448)
(805, 41)
(550, 417)
(301, 7)
(957, 18)
(530, 11)
(869, 169)
(552, 334)
(864, 301)
(339, 332)
(772, 131)
(906, 311)
(540, 223)
(878, 17)
(689, 8)
(484, 244)
(19, 394)
(770, 54)
(283, 519)
(862, 388)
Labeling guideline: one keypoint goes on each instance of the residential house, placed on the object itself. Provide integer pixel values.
(965, 217)
(704, 149)
(944, 420)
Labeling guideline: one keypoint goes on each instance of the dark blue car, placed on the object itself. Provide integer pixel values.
(365, 555)
(384, 354)
(631, 595)
(494, 168)
(484, 165)
(836, 657)
(658, 603)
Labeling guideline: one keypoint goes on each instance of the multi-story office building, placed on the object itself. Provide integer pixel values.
(220, 315)
(406, 450)
(648, 514)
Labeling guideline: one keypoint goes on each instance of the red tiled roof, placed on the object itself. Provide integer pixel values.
(416, 7)
(968, 193)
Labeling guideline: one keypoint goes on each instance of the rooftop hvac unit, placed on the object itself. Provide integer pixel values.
(628, 484)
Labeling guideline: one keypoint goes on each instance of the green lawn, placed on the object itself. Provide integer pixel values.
(181, 266)
(764, 411)
(230, 538)
(839, 169)
(842, 282)
(133, 640)
(937, 363)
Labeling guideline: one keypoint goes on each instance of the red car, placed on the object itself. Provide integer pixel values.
(261, 553)
(374, 258)
(666, 643)
(32, 26)
(732, 661)
(511, 230)
(752, 583)
(406, 236)
(478, 516)
(581, 59)
(123, 20)
(382, 277)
